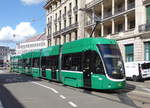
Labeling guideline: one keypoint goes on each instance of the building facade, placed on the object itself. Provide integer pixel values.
(63, 21)
(127, 21)
(33, 43)
(5, 53)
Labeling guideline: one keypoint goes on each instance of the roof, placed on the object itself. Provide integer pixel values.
(4, 47)
(39, 37)
(85, 44)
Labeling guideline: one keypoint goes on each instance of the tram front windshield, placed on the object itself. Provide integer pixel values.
(112, 60)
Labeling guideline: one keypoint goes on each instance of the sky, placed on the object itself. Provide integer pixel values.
(20, 19)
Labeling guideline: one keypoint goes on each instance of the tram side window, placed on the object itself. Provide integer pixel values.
(23, 62)
(72, 62)
(52, 62)
(98, 65)
(43, 62)
(28, 61)
(30, 64)
(36, 62)
(48, 62)
(19, 62)
(76, 64)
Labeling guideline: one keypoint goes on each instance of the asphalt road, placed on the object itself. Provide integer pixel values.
(21, 91)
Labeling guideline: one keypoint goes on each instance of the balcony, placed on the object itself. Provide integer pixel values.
(146, 2)
(48, 3)
(144, 27)
(131, 5)
(120, 10)
(69, 13)
(66, 29)
(56, 33)
(75, 9)
(70, 28)
(64, 16)
(49, 36)
(90, 23)
(93, 3)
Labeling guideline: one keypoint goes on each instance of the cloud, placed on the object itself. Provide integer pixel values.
(22, 31)
(30, 2)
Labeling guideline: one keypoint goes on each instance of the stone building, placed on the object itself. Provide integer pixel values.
(33, 43)
(127, 21)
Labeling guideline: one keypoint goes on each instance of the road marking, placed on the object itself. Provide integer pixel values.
(1, 106)
(72, 104)
(63, 97)
(52, 89)
(146, 89)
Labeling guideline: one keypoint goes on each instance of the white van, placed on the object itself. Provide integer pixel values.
(137, 70)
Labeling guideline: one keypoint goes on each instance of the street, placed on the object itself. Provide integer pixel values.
(21, 91)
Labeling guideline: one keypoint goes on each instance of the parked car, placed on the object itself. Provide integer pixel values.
(137, 71)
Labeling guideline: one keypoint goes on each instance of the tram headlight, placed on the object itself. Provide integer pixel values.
(109, 85)
(120, 84)
(114, 72)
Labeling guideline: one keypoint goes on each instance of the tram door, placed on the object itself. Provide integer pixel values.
(54, 66)
(43, 66)
(54, 73)
(87, 59)
(44, 72)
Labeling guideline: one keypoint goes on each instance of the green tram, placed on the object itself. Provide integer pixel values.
(14, 64)
(88, 63)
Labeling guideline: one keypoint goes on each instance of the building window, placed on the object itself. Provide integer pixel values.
(70, 21)
(109, 30)
(65, 10)
(132, 24)
(59, 25)
(72, 62)
(56, 4)
(76, 18)
(59, 39)
(129, 53)
(148, 13)
(64, 23)
(70, 6)
(64, 38)
(69, 37)
(56, 22)
(60, 20)
(76, 2)
(147, 51)
(55, 41)
(119, 28)
(76, 35)
(56, 27)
